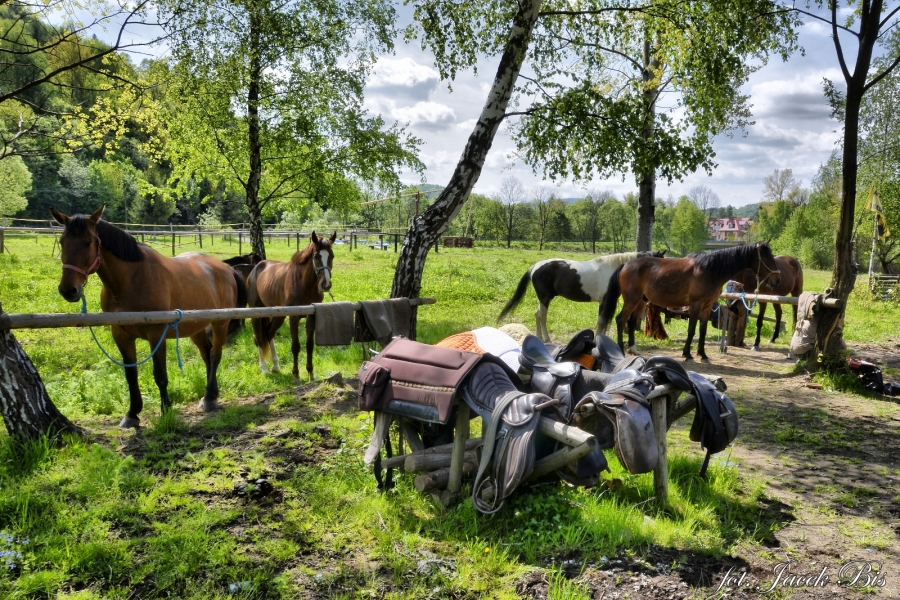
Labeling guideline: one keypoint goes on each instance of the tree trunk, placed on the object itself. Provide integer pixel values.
(25, 406)
(427, 227)
(254, 210)
(829, 335)
(647, 185)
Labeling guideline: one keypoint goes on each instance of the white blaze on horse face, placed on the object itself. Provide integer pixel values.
(325, 273)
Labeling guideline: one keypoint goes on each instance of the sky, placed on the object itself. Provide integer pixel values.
(792, 130)
(792, 126)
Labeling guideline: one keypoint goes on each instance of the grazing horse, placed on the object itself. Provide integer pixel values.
(695, 281)
(137, 278)
(577, 281)
(791, 283)
(304, 280)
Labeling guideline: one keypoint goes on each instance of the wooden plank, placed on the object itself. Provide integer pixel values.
(53, 320)
(829, 302)
(397, 461)
(661, 472)
(457, 458)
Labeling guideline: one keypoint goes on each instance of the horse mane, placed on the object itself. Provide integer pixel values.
(727, 261)
(614, 260)
(301, 257)
(118, 241)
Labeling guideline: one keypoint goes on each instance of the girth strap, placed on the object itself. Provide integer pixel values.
(490, 439)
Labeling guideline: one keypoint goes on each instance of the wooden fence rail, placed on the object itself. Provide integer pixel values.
(55, 320)
(829, 302)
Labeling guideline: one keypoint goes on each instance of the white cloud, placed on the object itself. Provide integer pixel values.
(401, 72)
(425, 114)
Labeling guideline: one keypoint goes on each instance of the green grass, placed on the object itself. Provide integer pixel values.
(152, 514)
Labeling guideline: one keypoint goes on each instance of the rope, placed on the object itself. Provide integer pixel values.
(162, 339)
(744, 300)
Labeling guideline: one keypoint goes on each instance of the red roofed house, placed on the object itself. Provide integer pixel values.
(732, 229)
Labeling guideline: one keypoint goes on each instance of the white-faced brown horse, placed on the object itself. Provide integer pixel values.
(137, 278)
(301, 281)
(791, 283)
(695, 281)
(578, 281)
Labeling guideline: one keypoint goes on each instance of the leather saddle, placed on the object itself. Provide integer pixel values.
(509, 430)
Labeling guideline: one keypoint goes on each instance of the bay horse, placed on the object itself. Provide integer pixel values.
(791, 284)
(137, 278)
(578, 281)
(301, 281)
(695, 281)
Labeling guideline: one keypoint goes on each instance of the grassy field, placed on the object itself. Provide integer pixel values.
(152, 514)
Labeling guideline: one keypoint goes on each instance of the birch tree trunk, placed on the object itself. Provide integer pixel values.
(254, 147)
(428, 226)
(25, 406)
(647, 184)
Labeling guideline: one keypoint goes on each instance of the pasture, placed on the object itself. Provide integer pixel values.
(170, 510)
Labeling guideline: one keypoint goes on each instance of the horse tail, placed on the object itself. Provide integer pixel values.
(610, 301)
(517, 297)
(241, 289)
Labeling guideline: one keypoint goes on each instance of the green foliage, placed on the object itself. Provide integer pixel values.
(15, 181)
(688, 227)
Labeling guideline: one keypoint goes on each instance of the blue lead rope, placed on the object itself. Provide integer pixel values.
(744, 300)
(162, 339)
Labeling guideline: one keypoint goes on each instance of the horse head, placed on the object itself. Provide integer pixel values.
(766, 268)
(80, 251)
(323, 259)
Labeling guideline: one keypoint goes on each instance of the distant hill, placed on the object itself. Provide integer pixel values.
(749, 210)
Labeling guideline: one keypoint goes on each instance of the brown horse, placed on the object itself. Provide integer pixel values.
(304, 280)
(136, 277)
(694, 281)
(791, 283)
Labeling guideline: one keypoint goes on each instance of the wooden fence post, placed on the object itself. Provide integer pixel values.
(2, 240)
(172, 229)
(240, 239)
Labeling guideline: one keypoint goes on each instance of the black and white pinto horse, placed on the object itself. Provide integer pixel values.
(579, 281)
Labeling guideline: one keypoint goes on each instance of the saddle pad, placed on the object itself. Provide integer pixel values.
(423, 376)
(486, 340)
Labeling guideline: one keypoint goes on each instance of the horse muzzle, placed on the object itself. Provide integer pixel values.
(70, 292)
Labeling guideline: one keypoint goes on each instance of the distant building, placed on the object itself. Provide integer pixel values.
(730, 229)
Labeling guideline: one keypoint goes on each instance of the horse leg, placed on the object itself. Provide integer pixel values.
(274, 326)
(161, 377)
(759, 325)
(632, 325)
(777, 323)
(260, 326)
(310, 347)
(128, 349)
(540, 318)
(208, 352)
(701, 341)
(295, 347)
(692, 327)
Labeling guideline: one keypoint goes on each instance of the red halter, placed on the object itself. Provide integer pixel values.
(94, 265)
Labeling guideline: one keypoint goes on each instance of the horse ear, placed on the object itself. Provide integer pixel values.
(333, 237)
(314, 238)
(95, 218)
(664, 253)
(59, 217)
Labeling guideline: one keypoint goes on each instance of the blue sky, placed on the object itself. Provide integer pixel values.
(792, 130)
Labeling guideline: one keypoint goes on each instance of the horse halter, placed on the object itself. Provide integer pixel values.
(94, 265)
(759, 263)
(318, 269)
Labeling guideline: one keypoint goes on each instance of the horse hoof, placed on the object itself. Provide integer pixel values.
(755, 348)
(688, 358)
(130, 422)
(208, 406)
(704, 359)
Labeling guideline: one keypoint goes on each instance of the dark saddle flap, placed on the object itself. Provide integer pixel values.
(535, 355)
